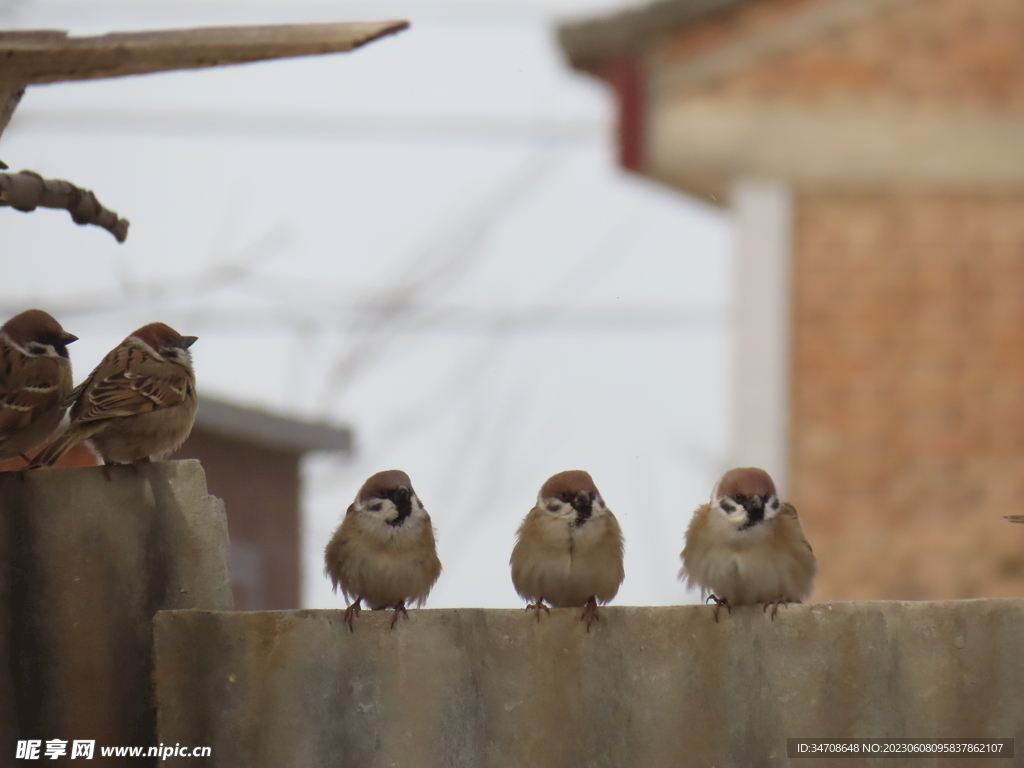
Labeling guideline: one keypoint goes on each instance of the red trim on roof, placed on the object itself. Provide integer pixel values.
(626, 75)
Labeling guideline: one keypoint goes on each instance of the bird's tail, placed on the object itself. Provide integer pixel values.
(51, 454)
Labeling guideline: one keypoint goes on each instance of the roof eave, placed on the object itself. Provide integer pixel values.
(588, 41)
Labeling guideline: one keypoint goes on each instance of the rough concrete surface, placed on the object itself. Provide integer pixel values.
(85, 563)
(648, 687)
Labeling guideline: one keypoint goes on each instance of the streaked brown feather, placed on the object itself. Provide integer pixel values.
(32, 394)
(130, 381)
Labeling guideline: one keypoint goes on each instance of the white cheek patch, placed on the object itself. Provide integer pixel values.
(418, 510)
(733, 512)
(378, 509)
(771, 507)
(557, 508)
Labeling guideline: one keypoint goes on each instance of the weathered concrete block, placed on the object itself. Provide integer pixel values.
(647, 687)
(85, 563)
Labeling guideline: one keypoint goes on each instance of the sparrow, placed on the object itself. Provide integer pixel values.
(35, 381)
(569, 548)
(746, 546)
(138, 404)
(383, 552)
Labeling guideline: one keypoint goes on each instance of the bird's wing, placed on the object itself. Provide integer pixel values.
(28, 387)
(128, 382)
(789, 511)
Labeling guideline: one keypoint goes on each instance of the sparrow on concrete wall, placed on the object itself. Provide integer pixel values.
(35, 381)
(383, 552)
(138, 404)
(746, 546)
(569, 548)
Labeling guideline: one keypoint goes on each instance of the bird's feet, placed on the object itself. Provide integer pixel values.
(590, 614)
(538, 607)
(399, 609)
(719, 602)
(351, 612)
(774, 604)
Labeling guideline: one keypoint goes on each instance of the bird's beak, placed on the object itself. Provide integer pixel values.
(66, 338)
(187, 341)
(402, 492)
(753, 502)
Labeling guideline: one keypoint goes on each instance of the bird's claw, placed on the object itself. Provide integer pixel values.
(537, 607)
(351, 612)
(590, 613)
(399, 609)
(719, 602)
(775, 606)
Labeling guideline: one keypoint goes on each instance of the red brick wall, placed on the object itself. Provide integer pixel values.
(929, 53)
(908, 391)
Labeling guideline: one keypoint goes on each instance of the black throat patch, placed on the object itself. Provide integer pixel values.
(402, 500)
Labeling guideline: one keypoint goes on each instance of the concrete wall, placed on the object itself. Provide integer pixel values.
(647, 687)
(85, 563)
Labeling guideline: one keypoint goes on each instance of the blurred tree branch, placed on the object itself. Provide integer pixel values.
(26, 190)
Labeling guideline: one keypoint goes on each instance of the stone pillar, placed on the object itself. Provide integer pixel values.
(85, 563)
(761, 327)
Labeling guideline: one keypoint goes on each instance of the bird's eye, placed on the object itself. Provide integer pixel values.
(739, 497)
(376, 506)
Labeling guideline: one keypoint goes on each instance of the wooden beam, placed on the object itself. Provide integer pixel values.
(47, 56)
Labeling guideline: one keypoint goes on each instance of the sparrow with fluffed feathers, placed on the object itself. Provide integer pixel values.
(746, 546)
(35, 381)
(139, 403)
(569, 548)
(383, 552)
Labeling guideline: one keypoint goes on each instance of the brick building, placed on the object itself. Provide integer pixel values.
(872, 152)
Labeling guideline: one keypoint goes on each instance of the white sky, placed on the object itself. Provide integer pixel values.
(427, 239)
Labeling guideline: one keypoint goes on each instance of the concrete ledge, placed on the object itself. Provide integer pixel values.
(648, 687)
(85, 563)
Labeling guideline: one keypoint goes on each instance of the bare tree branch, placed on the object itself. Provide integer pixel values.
(26, 190)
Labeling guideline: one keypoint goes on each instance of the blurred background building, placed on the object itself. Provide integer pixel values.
(872, 152)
